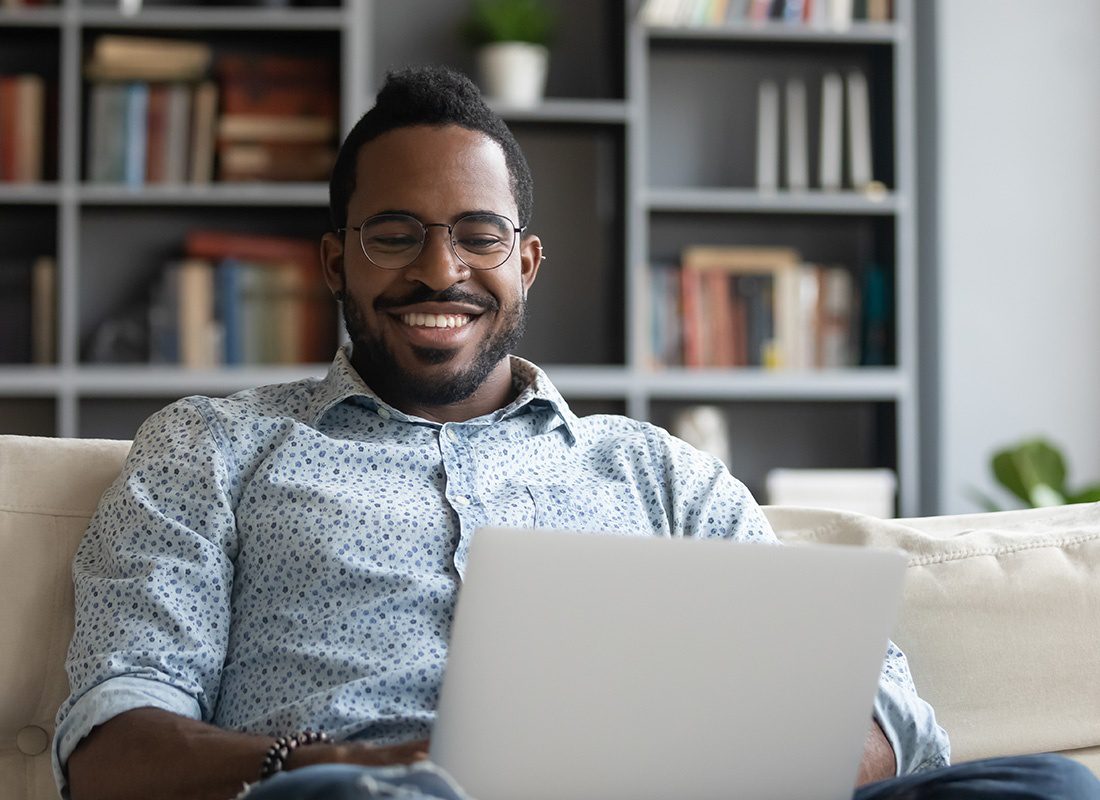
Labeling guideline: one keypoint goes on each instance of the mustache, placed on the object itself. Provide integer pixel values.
(452, 294)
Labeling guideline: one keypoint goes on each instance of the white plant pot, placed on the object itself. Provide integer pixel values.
(513, 73)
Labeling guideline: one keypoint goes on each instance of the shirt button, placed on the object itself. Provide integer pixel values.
(383, 413)
(462, 501)
(32, 740)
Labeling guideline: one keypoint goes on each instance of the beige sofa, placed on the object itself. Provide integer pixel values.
(1001, 618)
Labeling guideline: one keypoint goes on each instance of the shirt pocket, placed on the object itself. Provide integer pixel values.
(593, 507)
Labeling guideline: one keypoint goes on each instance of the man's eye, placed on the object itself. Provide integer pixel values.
(394, 242)
(479, 243)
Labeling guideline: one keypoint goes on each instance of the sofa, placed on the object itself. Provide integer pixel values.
(1000, 620)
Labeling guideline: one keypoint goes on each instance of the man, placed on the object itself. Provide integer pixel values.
(286, 561)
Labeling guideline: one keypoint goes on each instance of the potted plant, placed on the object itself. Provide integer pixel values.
(1034, 471)
(511, 37)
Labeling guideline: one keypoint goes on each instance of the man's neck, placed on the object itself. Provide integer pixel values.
(494, 393)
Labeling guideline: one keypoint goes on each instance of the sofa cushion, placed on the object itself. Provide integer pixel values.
(48, 490)
(1000, 620)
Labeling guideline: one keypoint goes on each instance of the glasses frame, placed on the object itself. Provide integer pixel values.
(516, 232)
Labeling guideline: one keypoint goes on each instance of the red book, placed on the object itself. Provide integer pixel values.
(691, 317)
(270, 85)
(156, 127)
(7, 128)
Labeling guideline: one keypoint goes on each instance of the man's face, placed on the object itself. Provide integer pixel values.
(430, 333)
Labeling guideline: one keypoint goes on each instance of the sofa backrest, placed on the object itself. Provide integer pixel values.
(999, 619)
(48, 490)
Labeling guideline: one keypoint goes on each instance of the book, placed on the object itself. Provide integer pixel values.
(106, 154)
(859, 132)
(203, 125)
(275, 128)
(156, 132)
(29, 95)
(8, 126)
(876, 317)
(137, 112)
(199, 339)
(767, 137)
(831, 139)
(136, 58)
(44, 310)
(836, 318)
(274, 161)
(797, 161)
(177, 133)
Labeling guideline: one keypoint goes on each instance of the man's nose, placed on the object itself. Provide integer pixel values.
(437, 266)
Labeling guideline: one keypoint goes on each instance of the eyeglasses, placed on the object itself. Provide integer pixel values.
(480, 241)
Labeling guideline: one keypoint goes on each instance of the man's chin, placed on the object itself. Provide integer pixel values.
(434, 355)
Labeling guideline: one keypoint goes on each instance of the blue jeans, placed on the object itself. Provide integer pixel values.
(1043, 777)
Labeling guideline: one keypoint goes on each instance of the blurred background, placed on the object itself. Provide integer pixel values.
(820, 235)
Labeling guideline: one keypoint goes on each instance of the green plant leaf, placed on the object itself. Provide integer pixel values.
(1034, 471)
(1090, 494)
(982, 499)
(508, 21)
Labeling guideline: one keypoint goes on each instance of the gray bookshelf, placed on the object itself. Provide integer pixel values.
(642, 147)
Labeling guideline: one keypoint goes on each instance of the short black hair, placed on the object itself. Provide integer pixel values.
(428, 95)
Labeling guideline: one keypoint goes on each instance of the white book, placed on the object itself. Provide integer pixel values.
(797, 161)
(767, 137)
(831, 141)
(859, 132)
(840, 14)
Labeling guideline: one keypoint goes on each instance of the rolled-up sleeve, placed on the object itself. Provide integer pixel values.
(153, 578)
(908, 721)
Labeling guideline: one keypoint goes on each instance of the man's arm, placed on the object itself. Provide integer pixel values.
(148, 752)
(878, 761)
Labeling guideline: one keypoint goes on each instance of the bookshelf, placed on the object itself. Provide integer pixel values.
(633, 159)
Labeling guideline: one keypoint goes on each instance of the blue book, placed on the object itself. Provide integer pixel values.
(227, 282)
(137, 112)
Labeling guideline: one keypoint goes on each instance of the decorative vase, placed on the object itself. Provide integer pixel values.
(514, 73)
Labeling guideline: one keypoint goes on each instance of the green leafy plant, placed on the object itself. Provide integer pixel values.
(1035, 471)
(508, 21)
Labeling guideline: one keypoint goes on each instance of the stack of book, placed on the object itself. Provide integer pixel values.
(279, 118)
(22, 127)
(714, 13)
(152, 113)
(241, 299)
(28, 310)
(727, 307)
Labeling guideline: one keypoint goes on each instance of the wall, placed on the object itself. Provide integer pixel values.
(1014, 118)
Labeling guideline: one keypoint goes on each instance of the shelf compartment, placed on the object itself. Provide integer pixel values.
(28, 416)
(764, 435)
(705, 133)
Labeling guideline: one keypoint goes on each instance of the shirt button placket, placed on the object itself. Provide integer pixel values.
(459, 469)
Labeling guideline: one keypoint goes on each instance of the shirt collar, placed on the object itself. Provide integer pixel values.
(533, 388)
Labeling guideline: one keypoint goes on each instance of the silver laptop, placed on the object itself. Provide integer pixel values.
(596, 667)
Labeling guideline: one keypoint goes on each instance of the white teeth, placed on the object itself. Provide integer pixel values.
(435, 320)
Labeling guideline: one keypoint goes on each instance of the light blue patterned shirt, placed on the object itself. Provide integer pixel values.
(289, 557)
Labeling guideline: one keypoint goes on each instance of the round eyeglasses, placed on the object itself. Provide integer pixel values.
(480, 241)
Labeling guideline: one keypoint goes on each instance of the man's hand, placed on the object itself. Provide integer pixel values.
(878, 760)
(147, 752)
(365, 755)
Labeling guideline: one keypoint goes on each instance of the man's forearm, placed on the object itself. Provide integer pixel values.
(879, 761)
(148, 752)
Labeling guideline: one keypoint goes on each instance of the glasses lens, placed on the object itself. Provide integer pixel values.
(392, 241)
(484, 241)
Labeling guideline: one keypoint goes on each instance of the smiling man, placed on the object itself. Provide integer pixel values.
(264, 595)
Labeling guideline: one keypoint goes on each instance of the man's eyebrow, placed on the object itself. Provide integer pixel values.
(476, 212)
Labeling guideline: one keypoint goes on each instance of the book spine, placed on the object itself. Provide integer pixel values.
(797, 141)
(44, 311)
(7, 128)
(832, 131)
(30, 112)
(228, 309)
(137, 110)
(767, 137)
(691, 317)
(859, 131)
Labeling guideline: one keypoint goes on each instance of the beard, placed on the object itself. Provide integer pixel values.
(382, 372)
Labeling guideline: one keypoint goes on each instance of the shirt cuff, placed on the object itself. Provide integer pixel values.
(910, 727)
(107, 700)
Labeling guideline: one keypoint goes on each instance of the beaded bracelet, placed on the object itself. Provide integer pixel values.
(276, 756)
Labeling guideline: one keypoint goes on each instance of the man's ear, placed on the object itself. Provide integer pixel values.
(332, 261)
(531, 258)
